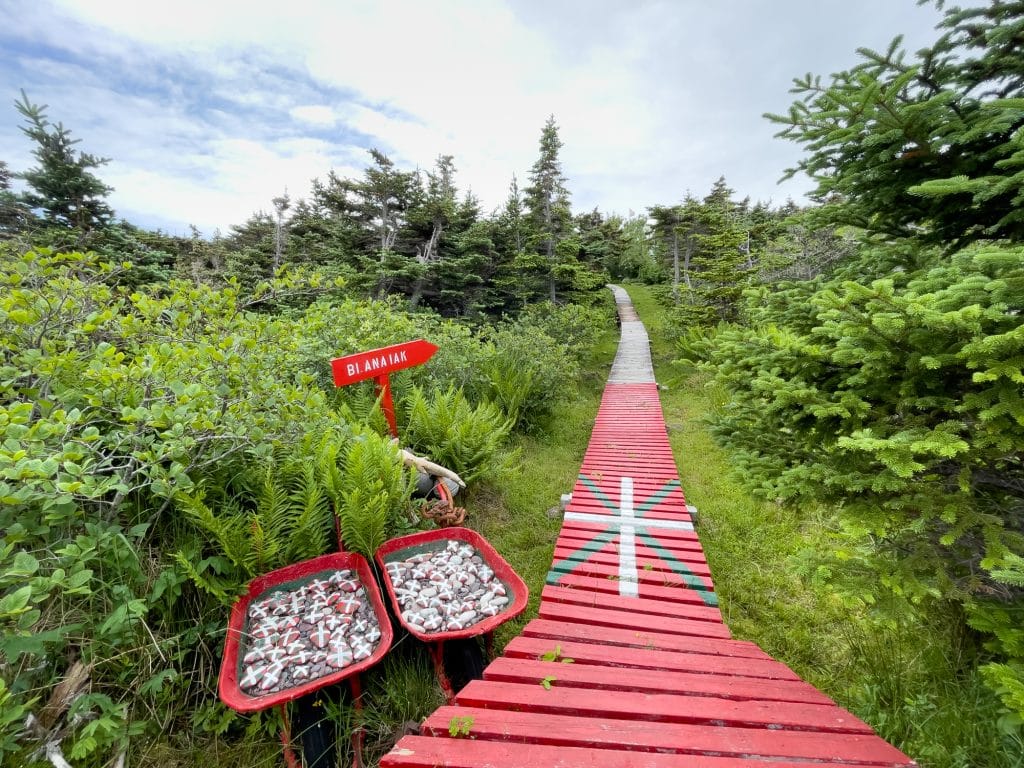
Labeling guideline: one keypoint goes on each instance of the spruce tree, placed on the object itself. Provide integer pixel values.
(14, 216)
(926, 150)
(62, 186)
(547, 200)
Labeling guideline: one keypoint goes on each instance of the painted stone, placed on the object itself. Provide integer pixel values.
(301, 633)
(446, 589)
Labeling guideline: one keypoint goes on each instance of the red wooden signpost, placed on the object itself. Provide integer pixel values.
(377, 364)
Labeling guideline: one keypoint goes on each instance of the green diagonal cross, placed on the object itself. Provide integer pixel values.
(626, 526)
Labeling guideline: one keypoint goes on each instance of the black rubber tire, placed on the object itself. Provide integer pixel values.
(315, 731)
(463, 661)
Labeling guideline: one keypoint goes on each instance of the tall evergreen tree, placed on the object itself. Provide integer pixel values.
(430, 219)
(721, 262)
(62, 186)
(512, 220)
(674, 229)
(547, 199)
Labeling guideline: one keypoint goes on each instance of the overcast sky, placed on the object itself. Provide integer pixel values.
(210, 108)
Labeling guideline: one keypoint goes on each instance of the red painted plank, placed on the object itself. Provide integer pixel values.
(697, 742)
(602, 617)
(654, 681)
(645, 560)
(573, 531)
(613, 477)
(424, 752)
(636, 470)
(670, 539)
(656, 641)
(636, 604)
(643, 577)
(644, 485)
(678, 593)
(564, 549)
(664, 510)
(643, 658)
(662, 708)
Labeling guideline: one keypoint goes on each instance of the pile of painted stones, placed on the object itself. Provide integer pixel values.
(446, 590)
(296, 635)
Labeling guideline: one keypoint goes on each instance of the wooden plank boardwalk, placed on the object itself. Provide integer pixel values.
(656, 679)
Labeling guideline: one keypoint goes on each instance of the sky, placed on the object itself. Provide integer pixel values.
(208, 109)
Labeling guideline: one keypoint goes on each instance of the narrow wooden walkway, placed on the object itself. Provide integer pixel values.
(656, 679)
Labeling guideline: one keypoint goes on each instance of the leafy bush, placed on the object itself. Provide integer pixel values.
(159, 446)
(117, 407)
(526, 372)
(576, 326)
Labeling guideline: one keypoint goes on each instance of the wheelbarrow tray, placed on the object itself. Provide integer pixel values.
(228, 688)
(429, 541)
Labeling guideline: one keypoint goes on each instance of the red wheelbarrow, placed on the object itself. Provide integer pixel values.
(502, 583)
(281, 642)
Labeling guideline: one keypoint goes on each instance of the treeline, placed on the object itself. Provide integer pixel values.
(883, 376)
(390, 232)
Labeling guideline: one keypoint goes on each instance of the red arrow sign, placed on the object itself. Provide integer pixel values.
(379, 362)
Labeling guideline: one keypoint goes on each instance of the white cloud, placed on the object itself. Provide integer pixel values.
(245, 98)
(315, 114)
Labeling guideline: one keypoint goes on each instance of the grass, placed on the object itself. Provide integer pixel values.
(911, 677)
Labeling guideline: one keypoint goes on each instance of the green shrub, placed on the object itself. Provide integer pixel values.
(900, 401)
(526, 372)
(451, 431)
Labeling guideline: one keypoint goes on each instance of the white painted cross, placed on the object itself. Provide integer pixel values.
(627, 523)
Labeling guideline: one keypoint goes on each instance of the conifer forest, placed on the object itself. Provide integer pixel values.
(169, 428)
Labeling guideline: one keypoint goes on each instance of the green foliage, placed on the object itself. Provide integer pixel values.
(460, 726)
(899, 402)
(115, 404)
(273, 513)
(454, 433)
(555, 654)
(62, 186)
(527, 372)
(907, 669)
(927, 149)
(899, 399)
(576, 326)
(370, 493)
(13, 713)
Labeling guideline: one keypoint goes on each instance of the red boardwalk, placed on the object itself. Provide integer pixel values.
(656, 679)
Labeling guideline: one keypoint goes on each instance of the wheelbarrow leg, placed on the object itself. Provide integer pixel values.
(290, 759)
(437, 656)
(358, 732)
(489, 645)
(316, 731)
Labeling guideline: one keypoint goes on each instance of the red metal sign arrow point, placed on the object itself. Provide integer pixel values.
(378, 362)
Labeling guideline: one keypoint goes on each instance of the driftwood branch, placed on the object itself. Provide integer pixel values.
(425, 465)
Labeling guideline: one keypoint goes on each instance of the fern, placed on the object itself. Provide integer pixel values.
(280, 515)
(456, 434)
(227, 530)
(312, 522)
(371, 494)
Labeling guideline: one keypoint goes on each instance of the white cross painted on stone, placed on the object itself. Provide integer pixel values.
(627, 523)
